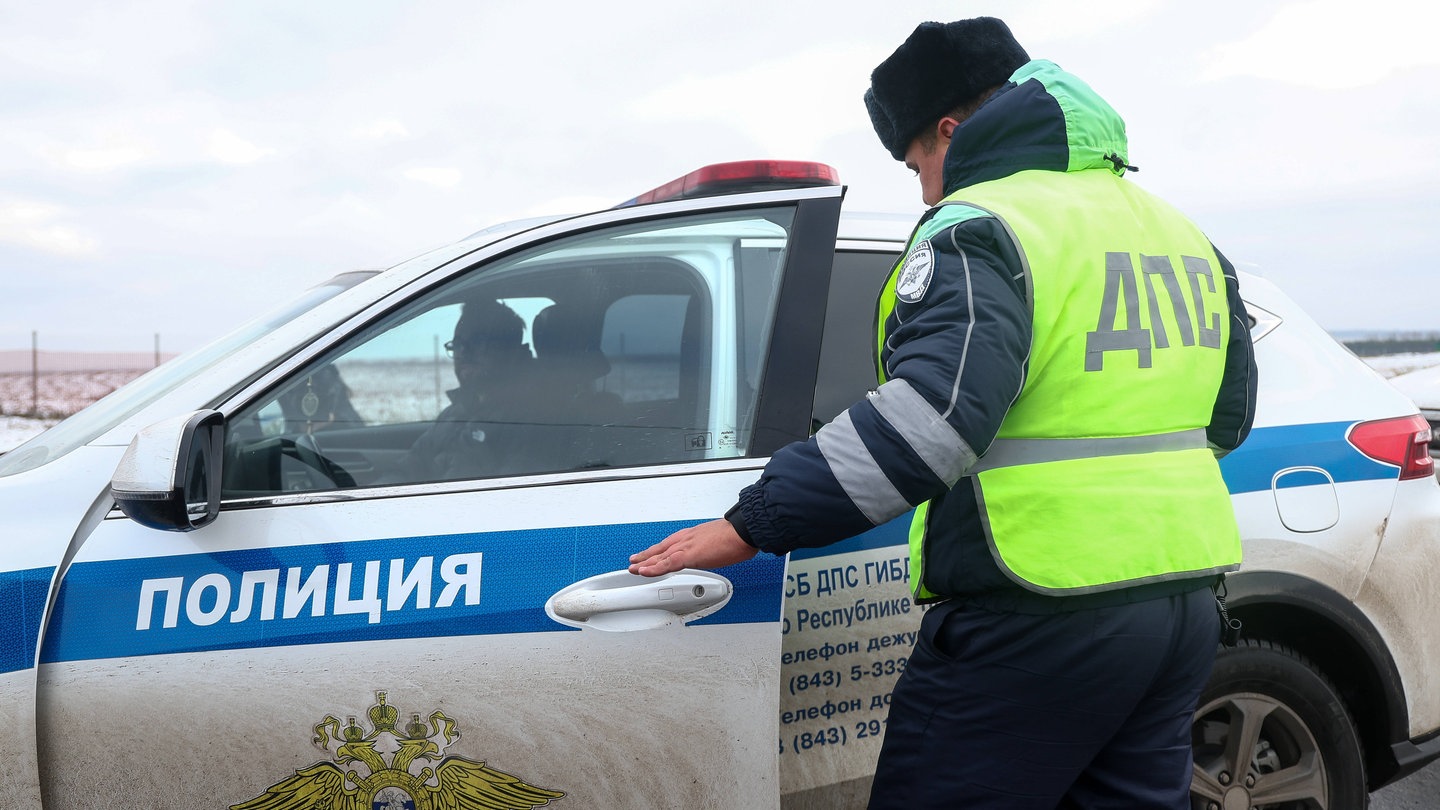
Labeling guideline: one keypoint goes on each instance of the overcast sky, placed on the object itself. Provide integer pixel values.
(175, 167)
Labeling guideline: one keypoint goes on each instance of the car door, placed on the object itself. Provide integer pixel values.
(414, 594)
(849, 620)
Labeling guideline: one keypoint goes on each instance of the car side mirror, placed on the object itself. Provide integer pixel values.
(169, 477)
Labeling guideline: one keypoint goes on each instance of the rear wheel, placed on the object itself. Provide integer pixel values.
(1271, 733)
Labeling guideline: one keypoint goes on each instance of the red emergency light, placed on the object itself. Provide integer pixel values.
(739, 177)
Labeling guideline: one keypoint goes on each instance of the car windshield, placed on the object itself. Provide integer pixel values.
(110, 411)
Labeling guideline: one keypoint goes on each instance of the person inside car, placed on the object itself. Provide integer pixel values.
(476, 435)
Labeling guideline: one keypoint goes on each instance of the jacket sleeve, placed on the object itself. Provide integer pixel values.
(954, 361)
(1234, 410)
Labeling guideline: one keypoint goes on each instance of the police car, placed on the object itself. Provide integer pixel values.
(229, 584)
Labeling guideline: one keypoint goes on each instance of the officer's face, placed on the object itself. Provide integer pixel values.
(927, 159)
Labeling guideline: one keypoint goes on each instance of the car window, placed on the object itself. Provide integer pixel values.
(847, 351)
(633, 345)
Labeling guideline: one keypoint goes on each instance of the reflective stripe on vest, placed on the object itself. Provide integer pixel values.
(1010, 452)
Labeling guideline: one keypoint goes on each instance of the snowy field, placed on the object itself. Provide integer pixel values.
(64, 393)
(57, 395)
(1393, 365)
(16, 429)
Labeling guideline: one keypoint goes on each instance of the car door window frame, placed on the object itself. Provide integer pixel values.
(816, 213)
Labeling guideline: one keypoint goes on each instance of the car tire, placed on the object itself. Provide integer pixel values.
(1303, 752)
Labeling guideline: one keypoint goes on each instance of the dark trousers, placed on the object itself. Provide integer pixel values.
(1088, 709)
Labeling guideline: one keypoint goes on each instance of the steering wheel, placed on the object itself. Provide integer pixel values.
(306, 450)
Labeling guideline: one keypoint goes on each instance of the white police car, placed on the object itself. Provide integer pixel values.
(335, 622)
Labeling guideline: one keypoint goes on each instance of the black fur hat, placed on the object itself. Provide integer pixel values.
(940, 67)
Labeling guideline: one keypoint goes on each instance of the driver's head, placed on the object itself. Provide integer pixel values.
(488, 344)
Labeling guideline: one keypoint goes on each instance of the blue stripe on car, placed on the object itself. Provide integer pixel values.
(96, 613)
(1252, 466)
(22, 601)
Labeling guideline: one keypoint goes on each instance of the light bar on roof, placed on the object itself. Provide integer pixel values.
(740, 177)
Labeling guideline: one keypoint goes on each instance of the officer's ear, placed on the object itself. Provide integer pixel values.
(945, 128)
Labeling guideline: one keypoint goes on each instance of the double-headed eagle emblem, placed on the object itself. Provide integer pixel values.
(389, 768)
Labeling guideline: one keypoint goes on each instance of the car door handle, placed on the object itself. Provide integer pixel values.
(620, 600)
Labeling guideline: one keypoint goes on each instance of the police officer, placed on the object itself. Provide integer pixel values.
(1063, 357)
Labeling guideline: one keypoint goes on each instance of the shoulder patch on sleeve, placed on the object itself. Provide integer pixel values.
(916, 273)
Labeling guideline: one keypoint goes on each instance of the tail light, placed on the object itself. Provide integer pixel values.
(1403, 441)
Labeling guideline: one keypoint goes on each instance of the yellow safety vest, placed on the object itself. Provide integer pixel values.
(1100, 476)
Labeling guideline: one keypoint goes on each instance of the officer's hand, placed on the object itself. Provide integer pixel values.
(709, 545)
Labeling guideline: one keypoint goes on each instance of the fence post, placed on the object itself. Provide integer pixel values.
(34, 372)
(157, 349)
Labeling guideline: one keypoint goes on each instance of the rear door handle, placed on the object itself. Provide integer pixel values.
(620, 600)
